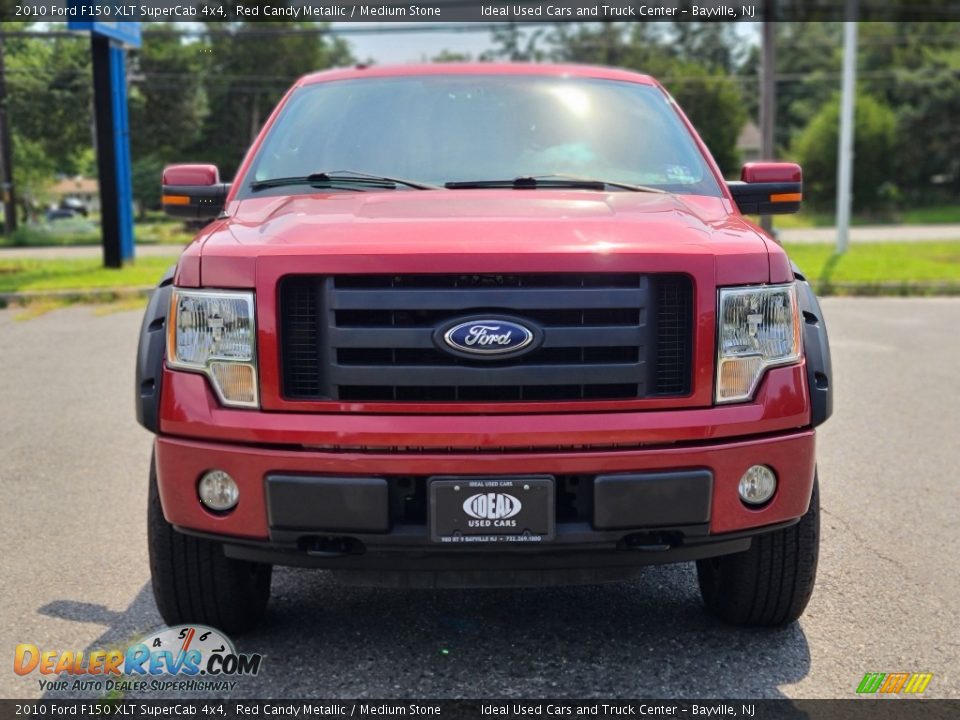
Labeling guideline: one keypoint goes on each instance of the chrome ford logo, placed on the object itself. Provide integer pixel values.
(488, 336)
(491, 506)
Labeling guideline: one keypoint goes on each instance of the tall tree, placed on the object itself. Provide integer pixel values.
(875, 149)
(49, 111)
(167, 96)
(249, 67)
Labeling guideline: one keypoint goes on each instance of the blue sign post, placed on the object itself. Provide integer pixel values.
(108, 41)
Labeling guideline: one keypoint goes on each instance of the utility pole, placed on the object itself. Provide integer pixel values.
(845, 151)
(768, 95)
(6, 156)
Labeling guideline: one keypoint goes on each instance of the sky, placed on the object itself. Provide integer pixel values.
(414, 46)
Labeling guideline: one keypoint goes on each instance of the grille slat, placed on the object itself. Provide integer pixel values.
(503, 298)
(371, 337)
(490, 376)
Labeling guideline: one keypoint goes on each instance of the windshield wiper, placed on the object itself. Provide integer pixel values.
(534, 182)
(346, 178)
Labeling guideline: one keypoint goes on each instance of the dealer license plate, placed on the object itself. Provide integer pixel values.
(491, 509)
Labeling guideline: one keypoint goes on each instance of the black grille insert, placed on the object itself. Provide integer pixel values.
(370, 338)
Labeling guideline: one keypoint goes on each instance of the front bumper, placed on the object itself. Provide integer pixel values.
(197, 435)
(248, 532)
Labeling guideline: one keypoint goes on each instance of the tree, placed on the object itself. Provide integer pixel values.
(50, 99)
(916, 69)
(145, 175)
(874, 160)
(713, 102)
(510, 43)
(450, 56)
(930, 108)
(248, 70)
(167, 97)
(809, 56)
(49, 110)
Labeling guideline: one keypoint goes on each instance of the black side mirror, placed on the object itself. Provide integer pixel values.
(768, 188)
(193, 192)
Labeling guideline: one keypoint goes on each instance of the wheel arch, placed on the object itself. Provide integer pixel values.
(816, 348)
(150, 353)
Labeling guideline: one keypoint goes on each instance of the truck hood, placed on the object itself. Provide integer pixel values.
(433, 225)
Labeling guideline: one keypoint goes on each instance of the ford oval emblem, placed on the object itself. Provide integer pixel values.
(490, 337)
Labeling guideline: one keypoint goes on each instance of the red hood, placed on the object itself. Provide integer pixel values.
(482, 224)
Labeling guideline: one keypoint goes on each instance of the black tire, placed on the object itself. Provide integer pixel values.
(194, 582)
(771, 583)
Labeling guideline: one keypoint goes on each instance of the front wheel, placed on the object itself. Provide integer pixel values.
(771, 583)
(194, 582)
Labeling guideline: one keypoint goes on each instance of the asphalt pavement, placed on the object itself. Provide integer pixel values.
(73, 473)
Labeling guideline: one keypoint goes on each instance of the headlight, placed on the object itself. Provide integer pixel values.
(213, 332)
(757, 328)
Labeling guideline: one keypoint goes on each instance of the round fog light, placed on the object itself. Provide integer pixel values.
(757, 485)
(218, 491)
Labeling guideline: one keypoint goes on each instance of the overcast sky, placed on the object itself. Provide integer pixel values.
(414, 46)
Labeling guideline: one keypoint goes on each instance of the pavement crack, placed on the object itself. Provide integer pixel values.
(862, 542)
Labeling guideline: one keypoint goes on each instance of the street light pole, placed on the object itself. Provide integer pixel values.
(845, 151)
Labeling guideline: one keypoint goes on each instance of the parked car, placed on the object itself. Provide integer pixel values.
(482, 325)
(55, 214)
(77, 205)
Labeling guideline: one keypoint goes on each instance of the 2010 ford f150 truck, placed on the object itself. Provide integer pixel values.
(482, 324)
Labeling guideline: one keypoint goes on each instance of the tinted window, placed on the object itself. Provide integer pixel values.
(443, 128)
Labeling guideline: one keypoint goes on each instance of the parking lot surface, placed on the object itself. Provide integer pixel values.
(73, 474)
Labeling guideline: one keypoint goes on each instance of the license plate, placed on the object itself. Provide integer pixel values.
(491, 509)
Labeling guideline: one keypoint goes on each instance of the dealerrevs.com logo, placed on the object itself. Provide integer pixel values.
(180, 658)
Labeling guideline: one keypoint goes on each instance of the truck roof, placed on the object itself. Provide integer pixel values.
(477, 68)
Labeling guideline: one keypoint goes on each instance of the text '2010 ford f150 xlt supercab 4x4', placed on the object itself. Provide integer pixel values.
(482, 324)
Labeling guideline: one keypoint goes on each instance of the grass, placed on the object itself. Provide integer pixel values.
(80, 231)
(935, 214)
(892, 266)
(873, 268)
(86, 274)
(925, 216)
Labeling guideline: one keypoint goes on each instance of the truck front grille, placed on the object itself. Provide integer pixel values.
(607, 336)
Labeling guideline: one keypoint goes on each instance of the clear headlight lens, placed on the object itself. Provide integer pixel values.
(757, 328)
(214, 332)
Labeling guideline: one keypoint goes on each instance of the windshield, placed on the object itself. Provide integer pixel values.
(437, 129)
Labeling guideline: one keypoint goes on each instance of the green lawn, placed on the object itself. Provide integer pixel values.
(869, 264)
(886, 263)
(27, 275)
(80, 231)
(808, 218)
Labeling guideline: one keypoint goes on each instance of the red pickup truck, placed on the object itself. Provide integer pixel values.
(482, 325)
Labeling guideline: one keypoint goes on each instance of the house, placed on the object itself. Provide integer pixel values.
(750, 142)
(87, 190)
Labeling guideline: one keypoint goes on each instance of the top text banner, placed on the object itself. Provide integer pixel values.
(491, 11)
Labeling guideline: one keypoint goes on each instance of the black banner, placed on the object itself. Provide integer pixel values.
(857, 709)
(525, 11)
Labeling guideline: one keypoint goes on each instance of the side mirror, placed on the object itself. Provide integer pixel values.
(768, 188)
(193, 192)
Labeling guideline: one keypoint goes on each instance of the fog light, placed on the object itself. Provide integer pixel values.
(218, 491)
(757, 485)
